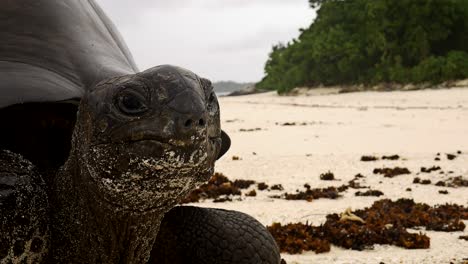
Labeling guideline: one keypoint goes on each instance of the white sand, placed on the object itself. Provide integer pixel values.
(416, 125)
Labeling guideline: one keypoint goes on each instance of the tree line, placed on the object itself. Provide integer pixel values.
(368, 42)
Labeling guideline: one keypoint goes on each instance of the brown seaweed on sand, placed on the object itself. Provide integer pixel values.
(429, 170)
(331, 192)
(243, 184)
(218, 185)
(451, 156)
(277, 187)
(391, 172)
(369, 193)
(220, 188)
(385, 222)
(369, 158)
(457, 182)
(311, 194)
(327, 176)
(453, 182)
(250, 129)
(391, 157)
(262, 186)
(296, 238)
(424, 181)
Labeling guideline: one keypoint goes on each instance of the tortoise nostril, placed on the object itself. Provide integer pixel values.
(188, 123)
(201, 122)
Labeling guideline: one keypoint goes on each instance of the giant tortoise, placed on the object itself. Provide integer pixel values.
(95, 155)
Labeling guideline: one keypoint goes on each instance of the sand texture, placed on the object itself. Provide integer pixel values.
(331, 133)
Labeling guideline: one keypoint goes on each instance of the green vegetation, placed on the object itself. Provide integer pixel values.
(368, 42)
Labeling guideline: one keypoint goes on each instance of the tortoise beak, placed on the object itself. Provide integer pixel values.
(225, 144)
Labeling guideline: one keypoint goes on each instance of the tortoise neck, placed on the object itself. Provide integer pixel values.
(86, 229)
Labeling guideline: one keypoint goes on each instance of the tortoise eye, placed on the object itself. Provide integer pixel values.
(131, 102)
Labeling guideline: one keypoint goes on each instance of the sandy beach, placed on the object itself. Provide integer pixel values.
(331, 133)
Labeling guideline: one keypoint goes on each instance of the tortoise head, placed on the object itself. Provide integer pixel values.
(145, 140)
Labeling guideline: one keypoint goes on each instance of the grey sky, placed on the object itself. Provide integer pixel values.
(217, 39)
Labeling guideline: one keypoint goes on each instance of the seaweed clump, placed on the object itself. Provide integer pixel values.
(391, 157)
(453, 182)
(369, 193)
(429, 170)
(419, 181)
(277, 187)
(391, 172)
(327, 176)
(330, 192)
(385, 222)
(457, 182)
(217, 186)
(221, 189)
(243, 184)
(311, 194)
(369, 158)
(296, 238)
(262, 186)
(451, 156)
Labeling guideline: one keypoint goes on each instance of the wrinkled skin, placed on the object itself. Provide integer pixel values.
(136, 131)
(141, 143)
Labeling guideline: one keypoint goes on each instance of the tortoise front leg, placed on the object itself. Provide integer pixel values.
(203, 235)
(23, 211)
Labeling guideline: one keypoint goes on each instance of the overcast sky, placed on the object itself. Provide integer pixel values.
(217, 39)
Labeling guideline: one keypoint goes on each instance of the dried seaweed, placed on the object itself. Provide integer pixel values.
(419, 181)
(392, 172)
(429, 170)
(311, 194)
(295, 123)
(252, 193)
(250, 129)
(440, 183)
(369, 193)
(262, 186)
(385, 222)
(453, 182)
(222, 200)
(277, 187)
(243, 184)
(451, 156)
(391, 157)
(457, 182)
(327, 176)
(296, 238)
(369, 158)
(330, 192)
(218, 185)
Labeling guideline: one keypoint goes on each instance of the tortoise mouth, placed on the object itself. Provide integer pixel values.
(147, 174)
(171, 143)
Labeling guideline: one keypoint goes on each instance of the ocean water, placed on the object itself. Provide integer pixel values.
(219, 94)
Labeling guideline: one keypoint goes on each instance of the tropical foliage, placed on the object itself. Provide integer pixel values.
(367, 42)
